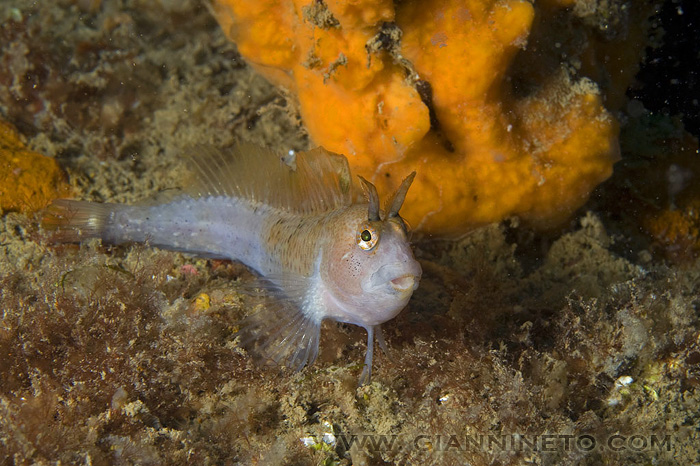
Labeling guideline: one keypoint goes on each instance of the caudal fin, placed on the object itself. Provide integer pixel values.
(73, 221)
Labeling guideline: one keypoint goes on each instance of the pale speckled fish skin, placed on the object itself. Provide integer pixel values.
(295, 227)
(215, 227)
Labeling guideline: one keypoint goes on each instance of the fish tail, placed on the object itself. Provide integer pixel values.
(73, 221)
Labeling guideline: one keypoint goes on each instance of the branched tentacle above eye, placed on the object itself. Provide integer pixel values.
(371, 191)
(400, 195)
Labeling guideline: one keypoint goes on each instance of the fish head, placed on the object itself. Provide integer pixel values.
(371, 271)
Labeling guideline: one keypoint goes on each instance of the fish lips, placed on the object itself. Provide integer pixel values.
(404, 283)
(399, 277)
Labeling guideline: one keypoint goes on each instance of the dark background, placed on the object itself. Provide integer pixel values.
(668, 81)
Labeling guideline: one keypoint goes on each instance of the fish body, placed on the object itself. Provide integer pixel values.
(294, 223)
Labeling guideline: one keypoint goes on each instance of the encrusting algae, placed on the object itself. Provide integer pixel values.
(428, 87)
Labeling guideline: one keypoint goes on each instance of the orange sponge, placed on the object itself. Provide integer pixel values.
(28, 180)
(423, 86)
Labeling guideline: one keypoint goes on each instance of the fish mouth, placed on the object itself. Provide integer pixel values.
(404, 283)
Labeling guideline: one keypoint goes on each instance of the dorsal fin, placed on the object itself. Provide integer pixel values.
(305, 182)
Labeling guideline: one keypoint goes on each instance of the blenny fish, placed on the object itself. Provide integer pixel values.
(293, 222)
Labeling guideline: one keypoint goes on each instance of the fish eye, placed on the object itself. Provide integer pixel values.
(367, 237)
